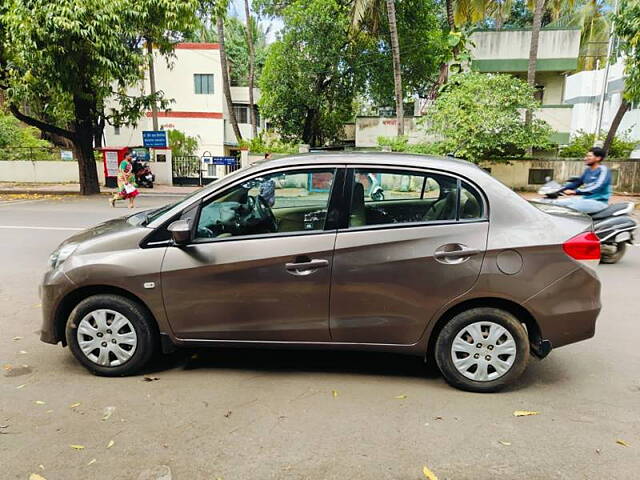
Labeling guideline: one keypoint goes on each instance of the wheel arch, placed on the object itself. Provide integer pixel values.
(73, 298)
(521, 313)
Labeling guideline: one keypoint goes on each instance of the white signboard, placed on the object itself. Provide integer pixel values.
(112, 164)
(66, 155)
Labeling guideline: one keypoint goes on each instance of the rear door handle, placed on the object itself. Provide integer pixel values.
(464, 252)
(305, 268)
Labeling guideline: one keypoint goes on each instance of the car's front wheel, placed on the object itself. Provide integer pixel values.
(482, 350)
(111, 335)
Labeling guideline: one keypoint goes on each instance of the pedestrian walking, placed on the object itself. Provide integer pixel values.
(127, 188)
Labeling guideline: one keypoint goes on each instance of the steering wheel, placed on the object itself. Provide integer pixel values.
(265, 213)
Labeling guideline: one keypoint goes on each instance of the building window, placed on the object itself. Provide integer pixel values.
(116, 130)
(242, 113)
(538, 176)
(203, 83)
(538, 94)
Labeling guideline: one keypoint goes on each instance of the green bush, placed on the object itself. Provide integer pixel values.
(621, 147)
(18, 142)
(401, 144)
(261, 145)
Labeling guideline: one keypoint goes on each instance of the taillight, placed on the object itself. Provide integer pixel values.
(585, 246)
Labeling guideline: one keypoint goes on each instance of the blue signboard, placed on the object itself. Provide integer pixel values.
(220, 160)
(155, 138)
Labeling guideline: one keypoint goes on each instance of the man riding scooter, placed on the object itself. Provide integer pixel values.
(590, 193)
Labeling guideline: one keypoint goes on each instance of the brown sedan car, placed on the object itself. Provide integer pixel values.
(389, 252)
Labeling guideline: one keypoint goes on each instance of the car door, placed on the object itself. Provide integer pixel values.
(243, 279)
(393, 270)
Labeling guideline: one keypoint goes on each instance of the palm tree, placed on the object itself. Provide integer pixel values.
(226, 85)
(371, 10)
(252, 112)
(533, 50)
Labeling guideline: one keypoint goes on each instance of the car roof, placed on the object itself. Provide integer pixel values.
(381, 158)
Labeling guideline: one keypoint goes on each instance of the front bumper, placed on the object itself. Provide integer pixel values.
(567, 309)
(55, 285)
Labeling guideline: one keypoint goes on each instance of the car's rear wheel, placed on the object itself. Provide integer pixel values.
(111, 335)
(482, 350)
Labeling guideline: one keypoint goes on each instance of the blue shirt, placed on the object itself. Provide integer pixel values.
(593, 184)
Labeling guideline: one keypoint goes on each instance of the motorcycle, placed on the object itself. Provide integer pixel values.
(143, 174)
(613, 225)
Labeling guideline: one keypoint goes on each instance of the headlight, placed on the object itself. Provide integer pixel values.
(58, 257)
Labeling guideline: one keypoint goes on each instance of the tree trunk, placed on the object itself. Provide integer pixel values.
(83, 146)
(252, 70)
(308, 130)
(225, 80)
(397, 78)
(615, 123)
(533, 51)
(98, 134)
(450, 18)
(152, 83)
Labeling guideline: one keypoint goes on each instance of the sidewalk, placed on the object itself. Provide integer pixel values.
(74, 189)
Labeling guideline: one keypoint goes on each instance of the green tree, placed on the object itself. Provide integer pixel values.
(182, 145)
(68, 57)
(370, 11)
(309, 80)
(627, 30)
(479, 116)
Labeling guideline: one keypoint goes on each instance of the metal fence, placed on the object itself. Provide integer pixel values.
(31, 154)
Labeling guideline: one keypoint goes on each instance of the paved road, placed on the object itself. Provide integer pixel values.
(270, 415)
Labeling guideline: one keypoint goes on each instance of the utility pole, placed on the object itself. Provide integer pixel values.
(605, 80)
(152, 81)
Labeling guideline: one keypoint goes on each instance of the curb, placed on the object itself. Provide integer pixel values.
(77, 193)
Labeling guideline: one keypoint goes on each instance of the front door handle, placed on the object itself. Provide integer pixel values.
(306, 267)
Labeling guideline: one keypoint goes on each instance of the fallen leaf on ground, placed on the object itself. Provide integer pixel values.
(15, 339)
(150, 379)
(22, 352)
(35, 476)
(77, 447)
(401, 397)
(438, 418)
(110, 444)
(428, 473)
(598, 451)
(334, 393)
(506, 444)
(524, 413)
(49, 411)
(21, 386)
(228, 414)
(107, 412)
(7, 366)
(40, 402)
(623, 443)
(91, 462)
(41, 467)
(74, 405)
(37, 305)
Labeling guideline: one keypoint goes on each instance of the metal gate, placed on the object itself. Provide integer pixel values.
(187, 170)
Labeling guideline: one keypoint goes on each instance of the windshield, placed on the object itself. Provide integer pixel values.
(148, 216)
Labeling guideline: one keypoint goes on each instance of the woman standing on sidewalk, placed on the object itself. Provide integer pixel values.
(126, 185)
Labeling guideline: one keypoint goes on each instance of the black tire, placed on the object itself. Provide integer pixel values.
(456, 324)
(614, 257)
(143, 324)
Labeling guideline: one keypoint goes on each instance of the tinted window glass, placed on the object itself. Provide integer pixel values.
(470, 203)
(294, 201)
(382, 197)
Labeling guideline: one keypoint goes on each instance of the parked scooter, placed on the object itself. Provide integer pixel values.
(143, 174)
(376, 192)
(613, 225)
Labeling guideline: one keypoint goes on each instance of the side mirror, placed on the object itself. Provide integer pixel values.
(180, 232)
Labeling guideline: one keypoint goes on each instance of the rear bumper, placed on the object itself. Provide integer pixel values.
(566, 311)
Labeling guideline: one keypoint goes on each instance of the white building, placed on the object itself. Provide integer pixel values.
(193, 79)
(583, 91)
